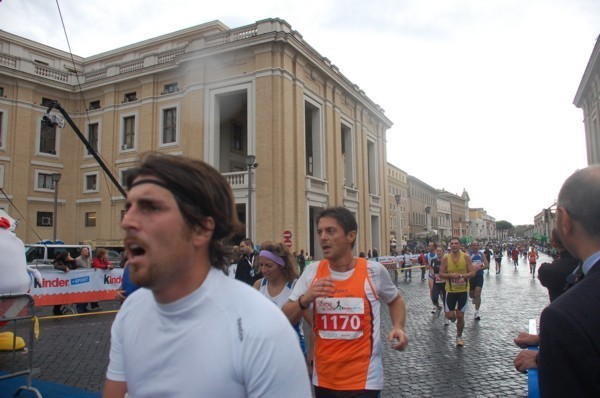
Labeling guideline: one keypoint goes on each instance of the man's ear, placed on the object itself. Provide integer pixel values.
(204, 232)
(351, 237)
(564, 222)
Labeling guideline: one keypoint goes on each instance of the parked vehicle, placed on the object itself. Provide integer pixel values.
(41, 255)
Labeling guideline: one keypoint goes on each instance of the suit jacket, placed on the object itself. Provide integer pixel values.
(569, 356)
(553, 275)
(246, 272)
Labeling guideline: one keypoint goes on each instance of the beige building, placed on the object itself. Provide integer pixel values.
(588, 99)
(481, 225)
(423, 215)
(444, 218)
(207, 92)
(459, 211)
(398, 207)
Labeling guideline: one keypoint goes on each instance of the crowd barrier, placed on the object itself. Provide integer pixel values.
(15, 308)
(76, 286)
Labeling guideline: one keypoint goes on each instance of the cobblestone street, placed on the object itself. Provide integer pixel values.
(433, 366)
(73, 351)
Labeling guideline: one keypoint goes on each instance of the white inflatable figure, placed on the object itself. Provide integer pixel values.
(14, 277)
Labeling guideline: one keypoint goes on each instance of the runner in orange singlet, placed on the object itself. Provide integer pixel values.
(344, 294)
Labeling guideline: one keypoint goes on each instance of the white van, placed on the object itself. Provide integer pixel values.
(39, 255)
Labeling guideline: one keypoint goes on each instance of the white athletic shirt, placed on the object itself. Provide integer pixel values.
(223, 340)
(281, 299)
(387, 292)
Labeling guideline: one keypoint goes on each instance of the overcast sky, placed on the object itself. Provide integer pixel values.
(480, 92)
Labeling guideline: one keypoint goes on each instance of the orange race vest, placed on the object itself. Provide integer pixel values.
(343, 326)
(532, 256)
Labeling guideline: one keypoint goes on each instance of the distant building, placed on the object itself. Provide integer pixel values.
(444, 218)
(398, 206)
(423, 216)
(587, 99)
(481, 225)
(459, 211)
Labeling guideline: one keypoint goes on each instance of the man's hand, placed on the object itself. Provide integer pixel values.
(120, 296)
(321, 288)
(401, 339)
(525, 340)
(527, 359)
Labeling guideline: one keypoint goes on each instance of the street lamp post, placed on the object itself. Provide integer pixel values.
(251, 164)
(55, 181)
(399, 226)
(459, 226)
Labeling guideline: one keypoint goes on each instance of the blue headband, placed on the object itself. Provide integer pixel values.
(273, 257)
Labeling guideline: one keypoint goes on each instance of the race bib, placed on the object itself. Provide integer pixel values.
(459, 281)
(478, 265)
(340, 317)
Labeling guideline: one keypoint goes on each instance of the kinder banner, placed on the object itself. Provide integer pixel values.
(76, 286)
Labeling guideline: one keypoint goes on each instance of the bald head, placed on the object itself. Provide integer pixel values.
(580, 197)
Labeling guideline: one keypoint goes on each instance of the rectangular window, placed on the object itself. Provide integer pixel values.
(90, 219)
(130, 97)
(44, 219)
(348, 156)
(94, 105)
(128, 132)
(124, 174)
(93, 137)
(170, 88)
(47, 138)
(372, 167)
(1, 129)
(1, 91)
(91, 182)
(237, 137)
(44, 181)
(169, 133)
(313, 138)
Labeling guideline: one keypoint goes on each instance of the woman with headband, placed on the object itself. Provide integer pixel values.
(279, 277)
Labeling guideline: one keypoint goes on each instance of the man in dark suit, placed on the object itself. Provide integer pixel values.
(553, 275)
(569, 354)
(247, 268)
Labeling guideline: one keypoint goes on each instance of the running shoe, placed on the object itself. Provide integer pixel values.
(434, 310)
(446, 322)
(460, 342)
(477, 317)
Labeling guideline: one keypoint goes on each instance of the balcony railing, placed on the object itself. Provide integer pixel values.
(350, 193)
(237, 180)
(316, 185)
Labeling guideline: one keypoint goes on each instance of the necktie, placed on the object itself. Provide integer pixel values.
(574, 277)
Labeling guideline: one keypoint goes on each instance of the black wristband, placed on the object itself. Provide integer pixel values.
(300, 303)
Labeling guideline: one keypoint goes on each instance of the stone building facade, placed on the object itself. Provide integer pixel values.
(208, 92)
(587, 99)
(398, 206)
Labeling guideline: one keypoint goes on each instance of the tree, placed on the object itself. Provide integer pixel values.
(503, 227)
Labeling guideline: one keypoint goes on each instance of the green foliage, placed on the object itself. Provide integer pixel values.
(503, 225)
